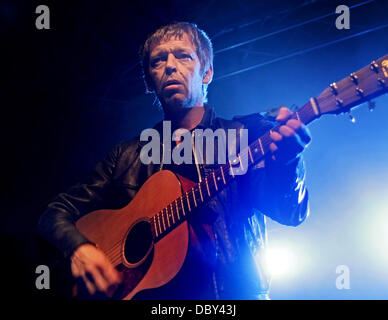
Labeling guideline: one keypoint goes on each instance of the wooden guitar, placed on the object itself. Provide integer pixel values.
(148, 239)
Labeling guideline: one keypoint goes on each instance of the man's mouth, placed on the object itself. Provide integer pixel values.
(171, 84)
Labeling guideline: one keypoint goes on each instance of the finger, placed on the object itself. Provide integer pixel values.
(75, 270)
(276, 136)
(300, 129)
(292, 142)
(111, 275)
(114, 278)
(286, 131)
(97, 278)
(283, 115)
(294, 124)
(273, 147)
(89, 285)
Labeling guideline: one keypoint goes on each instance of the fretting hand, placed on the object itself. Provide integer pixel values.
(291, 138)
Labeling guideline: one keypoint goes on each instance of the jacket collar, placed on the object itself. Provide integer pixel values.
(208, 118)
(206, 122)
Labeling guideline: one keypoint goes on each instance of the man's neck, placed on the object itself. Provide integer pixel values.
(188, 118)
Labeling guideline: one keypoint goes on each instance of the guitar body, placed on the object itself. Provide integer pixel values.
(126, 238)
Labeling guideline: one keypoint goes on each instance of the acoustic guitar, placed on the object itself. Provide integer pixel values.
(147, 241)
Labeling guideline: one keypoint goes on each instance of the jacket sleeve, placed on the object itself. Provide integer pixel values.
(57, 223)
(277, 190)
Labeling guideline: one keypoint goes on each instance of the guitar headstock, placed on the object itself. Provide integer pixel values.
(357, 88)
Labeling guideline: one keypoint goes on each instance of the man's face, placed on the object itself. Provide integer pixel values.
(175, 72)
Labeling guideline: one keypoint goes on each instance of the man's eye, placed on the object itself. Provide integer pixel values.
(155, 62)
(184, 56)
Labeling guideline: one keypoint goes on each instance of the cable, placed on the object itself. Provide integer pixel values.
(297, 53)
(257, 20)
(286, 29)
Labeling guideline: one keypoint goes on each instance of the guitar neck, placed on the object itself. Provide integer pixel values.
(359, 87)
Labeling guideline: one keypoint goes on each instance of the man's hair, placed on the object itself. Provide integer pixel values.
(200, 40)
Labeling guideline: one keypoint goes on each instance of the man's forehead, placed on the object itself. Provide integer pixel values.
(173, 42)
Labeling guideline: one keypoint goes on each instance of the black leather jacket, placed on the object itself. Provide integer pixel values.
(237, 213)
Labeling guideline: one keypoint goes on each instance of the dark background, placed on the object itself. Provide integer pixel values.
(72, 92)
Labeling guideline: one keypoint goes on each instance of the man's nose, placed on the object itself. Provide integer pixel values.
(170, 64)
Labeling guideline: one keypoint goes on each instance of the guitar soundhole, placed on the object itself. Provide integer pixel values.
(138, 242)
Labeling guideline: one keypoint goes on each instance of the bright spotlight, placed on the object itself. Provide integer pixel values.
(280, 261)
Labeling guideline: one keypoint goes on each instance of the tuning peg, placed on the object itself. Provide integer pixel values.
(371, 105)
(352, 119)
(374, 66)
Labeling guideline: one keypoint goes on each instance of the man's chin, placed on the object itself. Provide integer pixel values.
(175, 101)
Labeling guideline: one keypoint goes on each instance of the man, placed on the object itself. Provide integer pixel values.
(224, 259)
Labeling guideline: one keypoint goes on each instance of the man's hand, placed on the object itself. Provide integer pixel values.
(92, 267)
(291, 139)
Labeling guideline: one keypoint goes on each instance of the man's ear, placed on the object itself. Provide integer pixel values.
(149, 88)
(208, 76)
